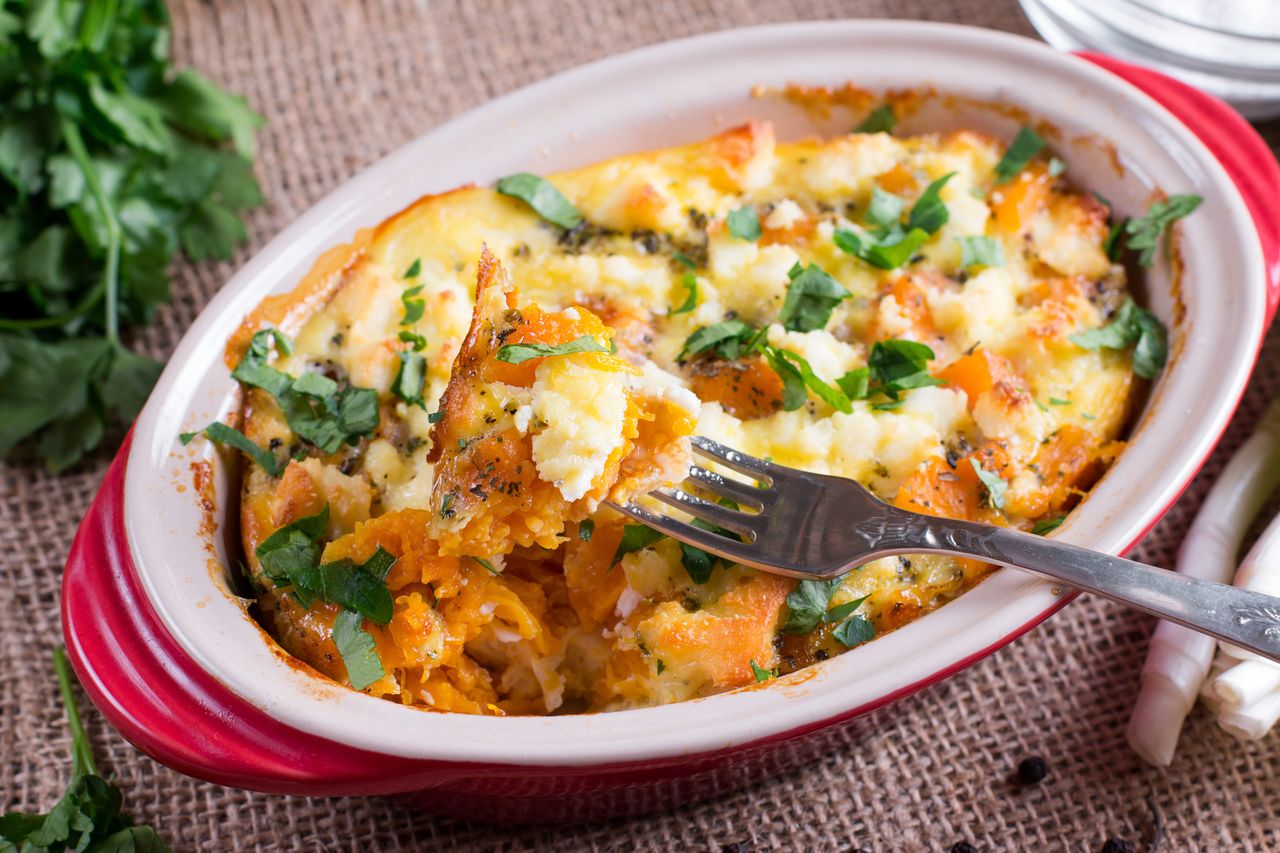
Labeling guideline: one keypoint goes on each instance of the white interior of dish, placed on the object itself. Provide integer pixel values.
(674, 93)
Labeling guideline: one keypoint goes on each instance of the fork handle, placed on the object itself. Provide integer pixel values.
(1241, 617)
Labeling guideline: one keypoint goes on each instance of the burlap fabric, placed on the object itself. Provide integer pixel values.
(341, 84)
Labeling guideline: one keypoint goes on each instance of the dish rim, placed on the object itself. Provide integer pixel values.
(750, 714)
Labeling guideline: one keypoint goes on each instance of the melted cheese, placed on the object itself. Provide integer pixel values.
(561, 624)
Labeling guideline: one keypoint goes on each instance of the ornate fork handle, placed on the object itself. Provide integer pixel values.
(1241, 617)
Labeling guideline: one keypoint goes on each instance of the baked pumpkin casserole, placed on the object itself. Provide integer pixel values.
(433, 419)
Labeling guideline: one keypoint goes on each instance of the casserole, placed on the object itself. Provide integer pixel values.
(175, 663)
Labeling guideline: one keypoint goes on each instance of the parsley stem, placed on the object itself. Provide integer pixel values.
(82, 307)
(111, 271)
(82, 763)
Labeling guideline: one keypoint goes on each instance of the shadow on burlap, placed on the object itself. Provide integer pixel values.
(341, 84)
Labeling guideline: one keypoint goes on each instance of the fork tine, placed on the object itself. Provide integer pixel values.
(725, 487)
(738, 522)
(723, 546)
(735, 459)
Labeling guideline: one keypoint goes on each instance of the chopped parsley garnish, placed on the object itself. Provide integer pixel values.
(980, 251)
(520, 353)
(994, 484)
(761, 674)
(807, 603)
(1048, 524)
(887, 253)
(414, 305)
(418, 342)
(220, 433)
(798, 379)
(690, 282)
(854, 631)
(1026, 145)
(885, 208)
(699, 564)
(253, 368)
(879, 120)
(316, 410)
(856, 384)
(541, 195)
(744, 224)
(1058, 401)
(684, 260)
(486, 565)
(1144, 233)
(811, 297)
(840, 611)
(897, 365)
(634, 538)
(410, 379)
(358, 650)
(1056, 167)
(727, 339)
(891, 244)
(929, 213)
(661, 666)
(1131, 326)
(586, 527)
(435, 417)
(414, 268)
(88, 817)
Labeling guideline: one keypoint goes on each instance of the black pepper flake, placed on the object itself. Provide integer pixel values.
(1118, 845)
(821, 654)
(274, 444)
(1032, 770)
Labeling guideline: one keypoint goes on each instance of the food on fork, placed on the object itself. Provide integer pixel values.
(939, 317)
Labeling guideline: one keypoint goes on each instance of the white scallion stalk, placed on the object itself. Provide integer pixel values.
(1245, 683)
(1251, 721)
(1259, 572)
(1207, 695)
(1179, 658)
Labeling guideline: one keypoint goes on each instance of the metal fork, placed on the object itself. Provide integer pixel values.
(817, 526)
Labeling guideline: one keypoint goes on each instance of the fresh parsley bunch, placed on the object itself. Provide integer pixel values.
(88, 818)
(109, 164)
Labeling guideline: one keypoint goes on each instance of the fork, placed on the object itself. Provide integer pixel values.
(816, 526)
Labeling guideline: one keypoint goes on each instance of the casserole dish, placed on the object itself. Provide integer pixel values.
(173, 660)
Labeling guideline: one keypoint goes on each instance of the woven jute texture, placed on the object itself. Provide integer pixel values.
(341, 84)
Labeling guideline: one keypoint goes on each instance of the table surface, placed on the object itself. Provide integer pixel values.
(343, 83)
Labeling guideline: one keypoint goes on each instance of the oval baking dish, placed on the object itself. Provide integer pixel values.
(173, 660)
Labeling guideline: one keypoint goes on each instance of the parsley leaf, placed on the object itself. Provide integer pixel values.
(897, 365)
(634, 538)
(88, 817)
(744, 224)
(1046, 525)
(520, 353)
(220, 433)
(807, 603)
(798, 379)
(854, 631)
(358, 650)
(929, 213)
(414, 269)
(1144, 233)
(1131, 326)
(811, 297)
(994, 484)
(856, 384)
(418, 342)
(414, 305)
(410, 379)
(879, 120)
(1026, 145)
(887, 253)
(728, 339)
(981, 251)
(761, 674)
(885, 209)
(690, 282)
(541, 195)
(586, 527)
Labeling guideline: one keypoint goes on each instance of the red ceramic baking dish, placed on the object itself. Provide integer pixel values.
(173, 660)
